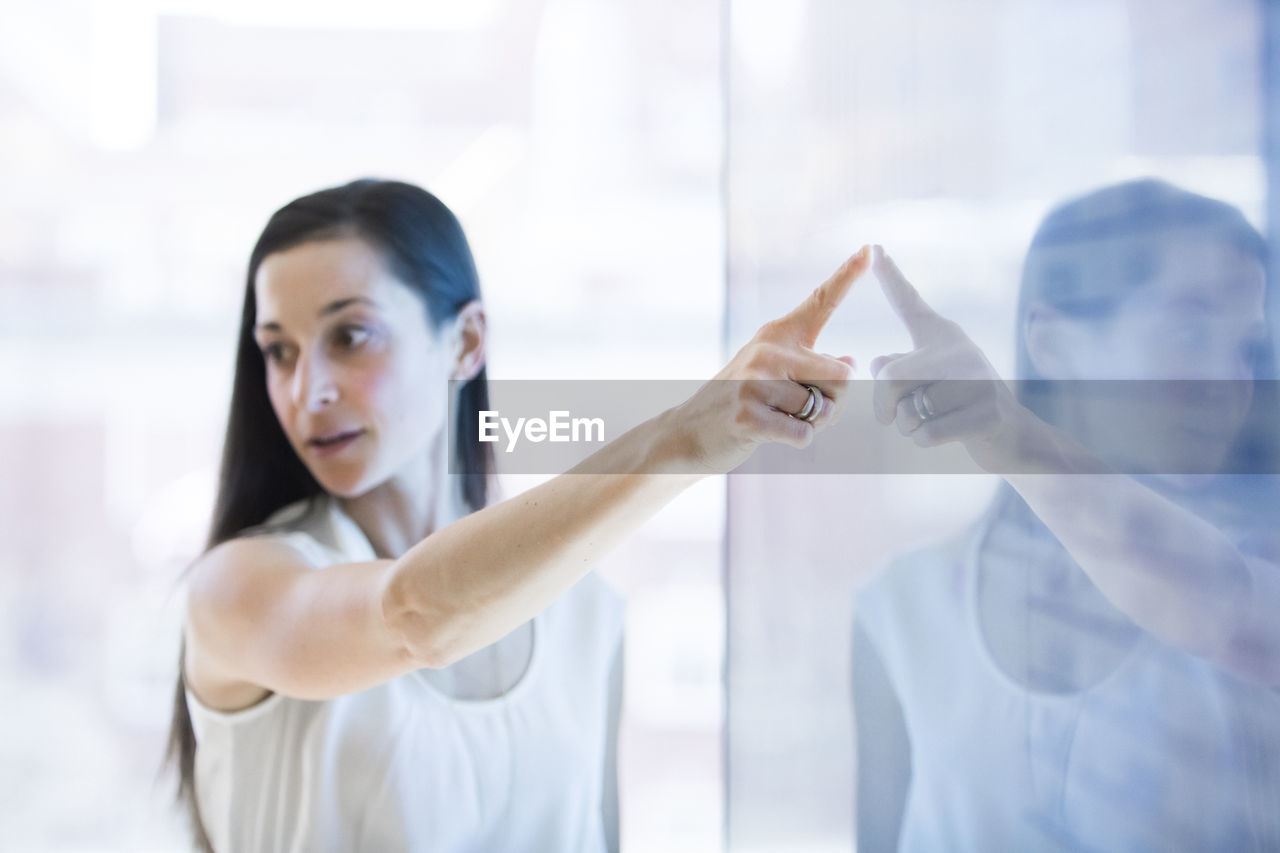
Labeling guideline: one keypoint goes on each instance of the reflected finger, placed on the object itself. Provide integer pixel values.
(908, 416)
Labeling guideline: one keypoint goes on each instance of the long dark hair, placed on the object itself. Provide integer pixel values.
(1092, 253)
(424, 246)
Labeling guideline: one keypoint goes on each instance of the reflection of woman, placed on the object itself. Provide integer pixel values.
(374, 659)
(1093, 667)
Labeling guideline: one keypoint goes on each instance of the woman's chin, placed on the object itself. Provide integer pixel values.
(344, 484)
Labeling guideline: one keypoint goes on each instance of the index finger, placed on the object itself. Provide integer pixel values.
(916, 314)
(808, 318)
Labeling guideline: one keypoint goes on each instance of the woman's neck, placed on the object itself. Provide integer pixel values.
(407, 508)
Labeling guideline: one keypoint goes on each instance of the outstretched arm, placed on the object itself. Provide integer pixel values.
(260, 619)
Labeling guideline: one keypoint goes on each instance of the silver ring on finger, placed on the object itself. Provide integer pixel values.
(924, 407)
(812, 406)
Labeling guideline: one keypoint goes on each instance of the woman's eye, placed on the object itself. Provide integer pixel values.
(271, 352)
(353, 336)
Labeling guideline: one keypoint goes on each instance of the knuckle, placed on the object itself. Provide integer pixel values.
(769, 330)
(839, 372)
(760, 358)
(746, 418)
(894, 372)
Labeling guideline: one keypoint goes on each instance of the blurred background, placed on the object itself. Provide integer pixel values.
(643, 185)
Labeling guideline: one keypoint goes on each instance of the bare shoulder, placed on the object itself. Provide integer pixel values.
(274, 614)
(234, 572)
(227, 588)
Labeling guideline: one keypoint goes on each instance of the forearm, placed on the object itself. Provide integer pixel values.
(468, 584)
(1171, 571)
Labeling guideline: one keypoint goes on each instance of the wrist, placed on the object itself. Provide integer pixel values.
(1012, 445)
(674, 448)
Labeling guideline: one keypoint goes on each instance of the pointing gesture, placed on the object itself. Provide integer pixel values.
(776, 388)
(922, 322)
(944, 389)
(807, 320)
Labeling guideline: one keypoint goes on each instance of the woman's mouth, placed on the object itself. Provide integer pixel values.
(335, 443)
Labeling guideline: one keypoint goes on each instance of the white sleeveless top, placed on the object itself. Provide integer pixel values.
(1166, 753)
(402, 766)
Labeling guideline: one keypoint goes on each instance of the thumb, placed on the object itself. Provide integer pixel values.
(878, 363)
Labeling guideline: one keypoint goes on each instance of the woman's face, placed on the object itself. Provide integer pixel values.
(349, 356)
(1201, 318)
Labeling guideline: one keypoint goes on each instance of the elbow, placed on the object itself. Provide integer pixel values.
(438, 656)
(419, 633)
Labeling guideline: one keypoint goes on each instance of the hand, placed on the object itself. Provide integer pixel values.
(753, 400)
(945, 389)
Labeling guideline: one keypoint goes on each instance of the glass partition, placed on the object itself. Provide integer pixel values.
(1023, 659)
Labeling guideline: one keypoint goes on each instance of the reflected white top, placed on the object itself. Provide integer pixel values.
(402, 766)
(1165, 753)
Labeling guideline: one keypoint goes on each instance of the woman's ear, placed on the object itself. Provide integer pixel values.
(1051, 338)
(468, 341)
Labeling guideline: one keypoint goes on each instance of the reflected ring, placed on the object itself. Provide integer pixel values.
(924, 408)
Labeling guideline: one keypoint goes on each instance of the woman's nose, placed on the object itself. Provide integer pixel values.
(313, 385)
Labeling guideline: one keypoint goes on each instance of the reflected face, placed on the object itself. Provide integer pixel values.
(1200, 318)
(356, 377)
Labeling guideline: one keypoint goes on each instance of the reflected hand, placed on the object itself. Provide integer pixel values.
(918, 390)
(756, 397)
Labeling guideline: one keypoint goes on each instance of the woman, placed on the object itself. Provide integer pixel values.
(375, 658)
(1094, 666)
